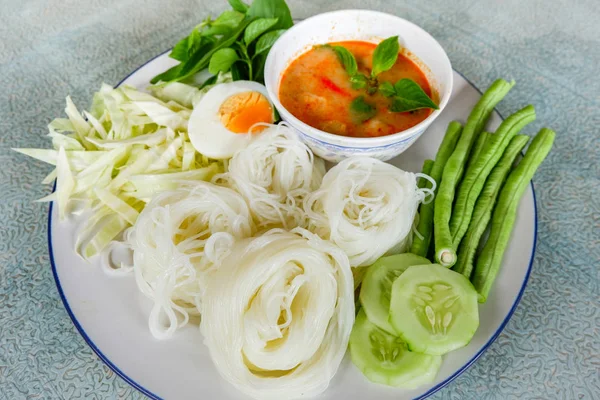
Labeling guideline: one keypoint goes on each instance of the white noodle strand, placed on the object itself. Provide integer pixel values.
(179, 238)
(274, 174)
(366, 207)
(277, 314)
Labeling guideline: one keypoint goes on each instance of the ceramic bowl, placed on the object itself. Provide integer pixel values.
(368, 26)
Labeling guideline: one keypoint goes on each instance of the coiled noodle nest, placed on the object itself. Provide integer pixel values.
(178, 239)
(366, 207)
(277, 314)
(274, 174)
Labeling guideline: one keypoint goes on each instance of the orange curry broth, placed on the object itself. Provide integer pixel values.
(316, 89)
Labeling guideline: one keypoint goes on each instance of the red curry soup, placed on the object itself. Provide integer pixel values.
(317, 90)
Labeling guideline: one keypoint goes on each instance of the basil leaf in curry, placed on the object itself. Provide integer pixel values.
(410, 96)
(346, 58)
(387, 89)
(362, 110)
(359, 81)
(385, 55)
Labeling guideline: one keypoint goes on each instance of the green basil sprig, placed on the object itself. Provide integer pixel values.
(406, 94)
(238, 40)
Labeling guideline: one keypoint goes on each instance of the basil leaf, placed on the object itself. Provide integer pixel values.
(239, 6)
(272, 9)
(409, 96)
(257, 28)
(169, 75)
(180, 51)
(266, 41)
(387, 89)
(385, 55)
(229, 18)
(216, 30)
(222, 60)
(362, 110)
(346, 58)
(358, 81)
(258, 65)
(195, 42)
(199, 60)
(239, 71)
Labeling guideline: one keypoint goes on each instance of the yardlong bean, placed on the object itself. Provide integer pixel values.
(477, 146)
(505, 212)
(421, 246)
(477, 173)
(445, 253)
(484, 206)
(427, 166)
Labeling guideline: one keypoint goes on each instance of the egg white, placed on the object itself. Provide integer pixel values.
(206, 131)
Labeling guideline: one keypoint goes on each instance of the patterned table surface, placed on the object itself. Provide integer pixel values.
(549, 350)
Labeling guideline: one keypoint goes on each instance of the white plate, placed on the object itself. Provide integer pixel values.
(111, 314)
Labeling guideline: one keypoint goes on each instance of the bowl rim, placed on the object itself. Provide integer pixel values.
(340, 140)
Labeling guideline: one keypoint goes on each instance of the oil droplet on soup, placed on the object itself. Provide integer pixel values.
(317, 90)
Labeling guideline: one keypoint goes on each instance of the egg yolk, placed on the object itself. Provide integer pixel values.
(242, 110)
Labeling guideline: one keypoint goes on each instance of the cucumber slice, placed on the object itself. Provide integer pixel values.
(385, 359)
(434, 309)
(377, 286)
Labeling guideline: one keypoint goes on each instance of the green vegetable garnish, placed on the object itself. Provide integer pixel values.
(188, 46)
(272, 9)
(387, 89)
(385, 55)
(267, 40)
(406, 94)
(362, 110)
(239, 6)
(409, 96)
(237, 41)
(222, 60)
(200, 60)
(346, 58)
(257, 28)
(359, 81)
(230, 19)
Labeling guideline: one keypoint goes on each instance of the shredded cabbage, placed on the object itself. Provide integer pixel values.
(274, 173)
(186, 95)
(366, 207)
(277, 314)
(178, 239)
(112, 160)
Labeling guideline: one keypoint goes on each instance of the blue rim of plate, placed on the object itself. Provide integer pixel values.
(151, 395)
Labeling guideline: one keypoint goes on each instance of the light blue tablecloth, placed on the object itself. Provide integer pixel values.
(549, 350)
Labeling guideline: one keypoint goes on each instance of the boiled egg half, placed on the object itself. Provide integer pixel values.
(220, 122)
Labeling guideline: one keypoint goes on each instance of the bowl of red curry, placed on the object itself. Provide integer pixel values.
(358, 82)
